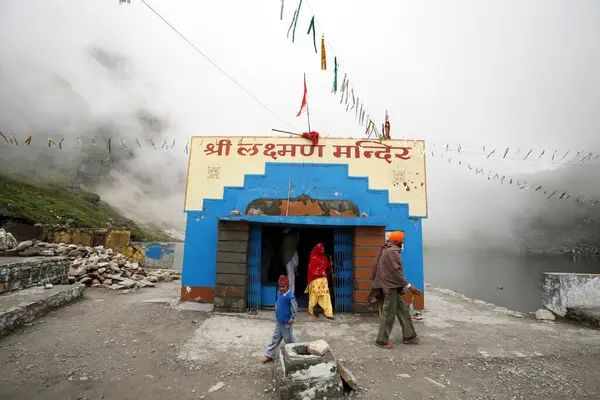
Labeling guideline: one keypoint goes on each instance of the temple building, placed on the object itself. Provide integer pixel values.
(246, 195)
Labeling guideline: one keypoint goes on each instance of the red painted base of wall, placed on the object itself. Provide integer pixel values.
(367, 244)
(198, 294)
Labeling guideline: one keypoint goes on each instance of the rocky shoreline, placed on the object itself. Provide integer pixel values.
(565, 251)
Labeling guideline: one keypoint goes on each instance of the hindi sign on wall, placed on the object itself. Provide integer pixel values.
(394, 165)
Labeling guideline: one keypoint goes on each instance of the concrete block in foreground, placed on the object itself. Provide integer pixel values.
(300, 374)
(24, 306)
(562, 290)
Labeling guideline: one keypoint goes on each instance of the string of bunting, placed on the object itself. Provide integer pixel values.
(556, 156)
(167, 144)
(504, 179)
(349, 96)
(564, 157)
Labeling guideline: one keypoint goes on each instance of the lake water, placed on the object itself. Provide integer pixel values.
(479, 274)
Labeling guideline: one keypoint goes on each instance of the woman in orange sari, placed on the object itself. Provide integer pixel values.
(318, 288)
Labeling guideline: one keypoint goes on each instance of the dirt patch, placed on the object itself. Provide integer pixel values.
(143, 345)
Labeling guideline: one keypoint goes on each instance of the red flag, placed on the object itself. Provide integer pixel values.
(386, 126)
(303, 106)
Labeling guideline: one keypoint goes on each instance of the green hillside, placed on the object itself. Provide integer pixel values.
(65, 205)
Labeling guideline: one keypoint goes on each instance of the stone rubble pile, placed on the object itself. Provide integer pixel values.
(96, 266)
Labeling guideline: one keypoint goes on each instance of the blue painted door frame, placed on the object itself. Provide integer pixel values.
(343, 241)
(254, 273)
(342, 247)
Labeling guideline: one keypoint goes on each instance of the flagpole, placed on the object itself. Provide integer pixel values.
(307, 113)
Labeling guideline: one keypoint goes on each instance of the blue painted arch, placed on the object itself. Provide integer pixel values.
(319, 181)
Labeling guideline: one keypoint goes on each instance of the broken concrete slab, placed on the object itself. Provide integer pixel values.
(347, 376)
(24, 306)
(300, 374)
(563, 290)
(318, 347)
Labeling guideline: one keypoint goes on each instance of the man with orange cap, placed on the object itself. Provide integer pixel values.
(389, 282)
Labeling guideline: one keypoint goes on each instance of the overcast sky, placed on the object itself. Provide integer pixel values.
(497, 73)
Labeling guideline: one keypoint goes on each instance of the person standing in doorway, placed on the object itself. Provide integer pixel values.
(289, 255)
(318, 288)
(285, 315)
(388, 284)
(292, 270)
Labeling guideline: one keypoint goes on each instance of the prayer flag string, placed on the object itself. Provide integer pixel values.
(569, 158)
(549, 193)
(347, 87)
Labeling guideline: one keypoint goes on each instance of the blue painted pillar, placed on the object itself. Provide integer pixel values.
(199, 258)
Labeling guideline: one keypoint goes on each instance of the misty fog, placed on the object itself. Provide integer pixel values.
(504, 74)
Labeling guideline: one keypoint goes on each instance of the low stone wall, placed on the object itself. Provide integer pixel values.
(35, 271)
(115, 239)
(564, 290)
(34, 303)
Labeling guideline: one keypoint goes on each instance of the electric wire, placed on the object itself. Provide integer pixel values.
(216, 65)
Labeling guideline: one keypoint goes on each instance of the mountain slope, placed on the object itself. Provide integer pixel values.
(565, 225)
(65, 205)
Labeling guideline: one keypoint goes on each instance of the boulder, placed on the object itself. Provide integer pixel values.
(24, 245)
(30, 252)
(544, 315)
(7, 240)
(127, 283)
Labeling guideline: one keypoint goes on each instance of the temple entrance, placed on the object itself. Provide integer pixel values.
(277, 247)
(271, 244)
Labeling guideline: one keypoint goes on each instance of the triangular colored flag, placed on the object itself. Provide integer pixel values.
(304, 102)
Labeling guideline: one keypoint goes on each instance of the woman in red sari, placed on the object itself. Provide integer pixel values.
(318, 288)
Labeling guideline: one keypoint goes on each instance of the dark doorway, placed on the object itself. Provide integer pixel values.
(99, 238)
(272, 264)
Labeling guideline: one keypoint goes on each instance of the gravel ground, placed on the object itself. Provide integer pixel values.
(141, 344)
